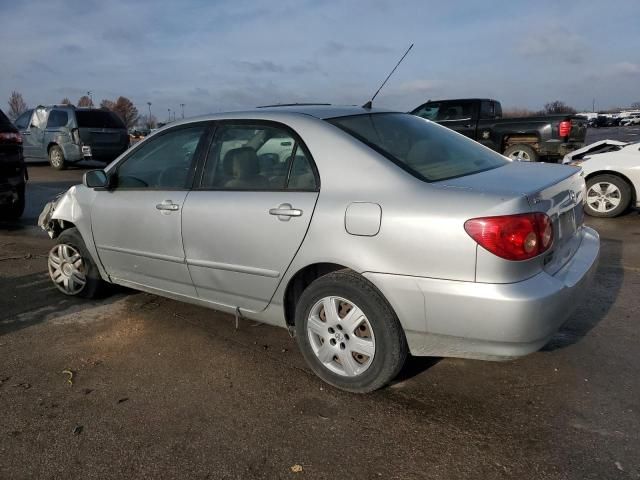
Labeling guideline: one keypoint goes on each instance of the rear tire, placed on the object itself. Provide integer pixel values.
(607, 196)
(72, 269)
(335, 345)
(56, 158)
(521, 153)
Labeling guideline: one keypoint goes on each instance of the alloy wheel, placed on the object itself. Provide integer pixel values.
(603, 197)
(341, 336)
(67, 269)
(520, 156)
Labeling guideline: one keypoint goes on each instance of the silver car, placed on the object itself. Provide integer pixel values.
(368, 234)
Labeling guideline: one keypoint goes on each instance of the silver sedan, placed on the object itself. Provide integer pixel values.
(368, 234)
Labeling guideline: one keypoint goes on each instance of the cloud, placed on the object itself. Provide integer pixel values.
(261, 66)
(71, 49)
(337, 48)
(554, 43)
(626, 68)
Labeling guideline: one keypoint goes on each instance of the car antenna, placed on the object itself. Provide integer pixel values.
(369, 104)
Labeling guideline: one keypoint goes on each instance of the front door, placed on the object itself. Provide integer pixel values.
(244, 224)
(137, 223)
(459, 116)
(32, 125)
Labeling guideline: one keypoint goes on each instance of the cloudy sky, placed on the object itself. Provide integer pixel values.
(231, 54)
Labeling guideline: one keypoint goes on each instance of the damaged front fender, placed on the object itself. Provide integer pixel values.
(56, 215)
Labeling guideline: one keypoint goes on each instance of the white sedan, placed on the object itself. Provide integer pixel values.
(612, 173)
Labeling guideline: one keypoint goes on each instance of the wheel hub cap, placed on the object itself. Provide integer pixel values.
(603, 197)
(67, 269)
(341, 336)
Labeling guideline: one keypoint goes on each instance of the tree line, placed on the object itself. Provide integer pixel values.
(121, 106)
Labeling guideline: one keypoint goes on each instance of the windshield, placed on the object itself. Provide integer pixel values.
(98, 119)
(426, 150)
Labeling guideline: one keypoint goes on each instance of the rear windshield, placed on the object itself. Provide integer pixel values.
(3, 119)
(424, 149)
(98, 119)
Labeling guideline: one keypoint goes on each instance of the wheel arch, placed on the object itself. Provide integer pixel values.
(300, 281)
(632, 189)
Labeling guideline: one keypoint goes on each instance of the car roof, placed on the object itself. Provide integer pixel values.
(319, 111)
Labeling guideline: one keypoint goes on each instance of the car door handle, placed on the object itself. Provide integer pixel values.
(25, 133)
(168, 205)
(285, 211)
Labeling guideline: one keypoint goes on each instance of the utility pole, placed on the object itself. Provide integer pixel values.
(182, 106)
(169, 110)
(149, 103)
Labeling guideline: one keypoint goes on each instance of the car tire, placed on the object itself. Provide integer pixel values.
(607, 196)
(522, 153)
(56, 158)
(72, 269)
(337, 354)
(15, 210)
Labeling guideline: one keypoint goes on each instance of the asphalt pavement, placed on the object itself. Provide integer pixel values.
(138, 386)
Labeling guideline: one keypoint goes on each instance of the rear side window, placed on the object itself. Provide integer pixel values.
(257, 157)
(424, 149)
(57, 118)
(98, 119)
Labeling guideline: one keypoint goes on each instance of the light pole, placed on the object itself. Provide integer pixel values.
(169, 110)
(90, 95)
(182, 106)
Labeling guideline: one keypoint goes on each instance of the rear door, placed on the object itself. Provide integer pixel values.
(103, 131)
(244, 223)
(137, 224)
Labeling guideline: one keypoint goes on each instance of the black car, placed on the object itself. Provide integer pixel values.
(13, 172)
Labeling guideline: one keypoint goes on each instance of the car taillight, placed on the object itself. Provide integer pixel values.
(513, 237)
(564, 129)
(10, 137)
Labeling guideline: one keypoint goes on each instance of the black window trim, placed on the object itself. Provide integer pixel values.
(390, 157)
(299, 143)
(113, 172)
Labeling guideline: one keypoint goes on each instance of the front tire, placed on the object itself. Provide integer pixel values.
(348, 333)
(72, 269)
(521, 153)
(56, 158)
(607, 196)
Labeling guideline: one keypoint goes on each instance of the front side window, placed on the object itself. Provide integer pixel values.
(57, 118)
(429, 111)
(164, 162)
(22, 122)
(426, 150)
(455, 111)
(256, 157)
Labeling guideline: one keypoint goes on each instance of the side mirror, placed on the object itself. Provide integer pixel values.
(95, 179)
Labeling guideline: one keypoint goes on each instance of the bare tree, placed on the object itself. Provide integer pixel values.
(108, 104)
(85, 101)
(66, 101)
(127, 111)
(635, 105)
(558, 107)
(517, 112)
(17, 105)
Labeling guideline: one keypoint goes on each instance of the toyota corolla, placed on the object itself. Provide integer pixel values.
(368, 234)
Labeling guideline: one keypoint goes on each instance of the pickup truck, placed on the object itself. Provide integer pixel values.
(548, 137)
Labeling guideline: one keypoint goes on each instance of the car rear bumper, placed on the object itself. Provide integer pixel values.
(489, 321)
(75, 153)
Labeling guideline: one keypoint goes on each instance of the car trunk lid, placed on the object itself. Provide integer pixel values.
(557, 190)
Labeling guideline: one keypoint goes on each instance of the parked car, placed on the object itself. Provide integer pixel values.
(367, 234)
(633, 119)
(612, 173)
(65, 134)
(528, 139)
(13, 172)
